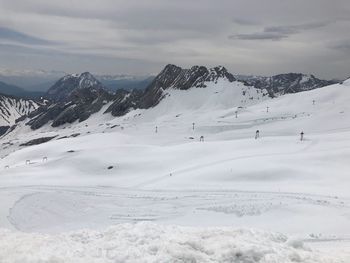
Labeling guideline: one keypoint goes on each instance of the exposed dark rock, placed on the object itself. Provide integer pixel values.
(12, 107)
(124, 101)
(183, 79)
(22, 118)
(170, 77)
(74, 98)
(38, 141)
(70, 136)
(4, 129)
(45, 116)
(65, 86)
(110, 167)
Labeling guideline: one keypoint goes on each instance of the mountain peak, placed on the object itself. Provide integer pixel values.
(193, 77)
(220, 72)
(174, 77)
(64, 87)
(73, 97)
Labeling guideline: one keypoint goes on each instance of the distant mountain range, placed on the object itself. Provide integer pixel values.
(75, 97)
(13, 90)
(31, 80)
(33, 83)
(285, 83)
(39, 81)
(126, 82)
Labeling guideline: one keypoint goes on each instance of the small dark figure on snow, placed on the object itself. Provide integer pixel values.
(302, 136)
(201, 139)
(257, 134)
(156, 129)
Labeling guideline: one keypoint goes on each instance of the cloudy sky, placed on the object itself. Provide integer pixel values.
(141, 36)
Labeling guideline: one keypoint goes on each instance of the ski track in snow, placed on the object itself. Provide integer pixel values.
(56, 209)
(76, 207)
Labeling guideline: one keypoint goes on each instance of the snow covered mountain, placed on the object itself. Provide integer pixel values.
(76, 97)
(285, 83)
(12, 108)
(69, 85)
(181, 79)
(73, 97)
(173, 78)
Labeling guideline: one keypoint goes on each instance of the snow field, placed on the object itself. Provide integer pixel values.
(276, 183)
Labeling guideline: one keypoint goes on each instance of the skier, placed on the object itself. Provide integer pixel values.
(302, 136)
(257, 135)
(201, 139)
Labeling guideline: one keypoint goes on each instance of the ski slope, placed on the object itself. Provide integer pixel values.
(120, 171)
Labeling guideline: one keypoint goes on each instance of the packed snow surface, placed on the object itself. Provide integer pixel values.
(196, 197)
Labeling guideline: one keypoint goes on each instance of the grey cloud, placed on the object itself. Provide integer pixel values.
(140, 15)
(245, 21)
(341, 45)
(12, 35)
(294, 29)
(150, 33)
(279, 32)
(21, 57)
(259, 36)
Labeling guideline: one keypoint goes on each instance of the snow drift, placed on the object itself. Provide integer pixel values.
(146, 242)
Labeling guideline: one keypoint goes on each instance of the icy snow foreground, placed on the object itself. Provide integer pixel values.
(147, 242)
